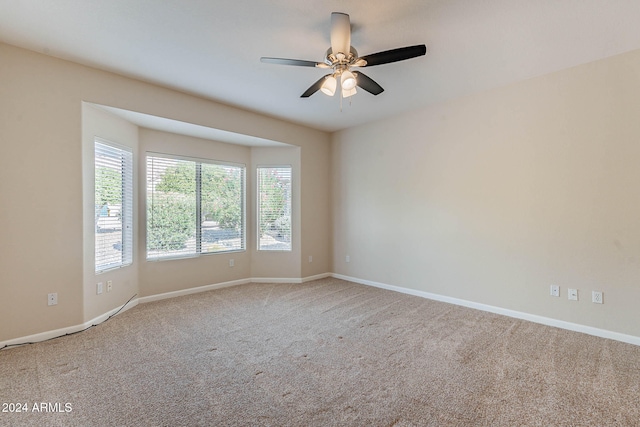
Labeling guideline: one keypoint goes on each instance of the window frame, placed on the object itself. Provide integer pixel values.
(126, 209)
(258, 205)
(198, 231)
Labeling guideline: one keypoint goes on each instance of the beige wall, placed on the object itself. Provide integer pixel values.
(41, 181)
(40, 196)
(494, 197)
(315, 200)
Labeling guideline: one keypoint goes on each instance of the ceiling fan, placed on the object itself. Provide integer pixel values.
(341, 57)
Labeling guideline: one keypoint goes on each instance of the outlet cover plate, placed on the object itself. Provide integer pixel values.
(573, 294)
(596, 297)
(52, 299)
(554, 290)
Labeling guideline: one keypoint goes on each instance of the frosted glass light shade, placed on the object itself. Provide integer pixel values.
(348, 80)
(329, 86)
(348, 92)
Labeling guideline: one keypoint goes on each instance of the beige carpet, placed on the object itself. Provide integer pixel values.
(325, 353)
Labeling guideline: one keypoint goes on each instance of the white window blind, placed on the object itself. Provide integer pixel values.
(274, 208)
(194, 206)
(113, 206)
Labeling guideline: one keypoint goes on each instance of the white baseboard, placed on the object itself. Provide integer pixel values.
(590, 330)
(275, 280)
(44, 336)
(189, 291)
(289, 279)
(316, 277)
(205, 288)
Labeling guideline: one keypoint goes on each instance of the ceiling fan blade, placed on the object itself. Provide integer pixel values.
(314, 87)
(367, 83)
(340, 33)
(394, 55)
(297, 62)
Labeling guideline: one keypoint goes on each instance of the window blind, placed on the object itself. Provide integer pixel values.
(274, 208)
(113, 206)
(194, 207)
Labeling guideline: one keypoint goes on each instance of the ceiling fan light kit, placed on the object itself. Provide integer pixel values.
(341, 57)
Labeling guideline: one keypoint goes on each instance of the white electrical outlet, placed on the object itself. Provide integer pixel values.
(109, 285)
(232, 262)
(554, 290)
(52, 299)
(347, 259)
(310, 258)
(572, 294)
(596, 297)
(99, 288)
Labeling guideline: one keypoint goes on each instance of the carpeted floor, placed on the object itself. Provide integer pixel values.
(324, 353)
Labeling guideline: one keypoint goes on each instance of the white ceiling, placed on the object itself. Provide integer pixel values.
(213, 48)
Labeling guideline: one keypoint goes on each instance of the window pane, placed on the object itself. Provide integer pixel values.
(222, 208)
(113, 206)
(171, 207)
(274, 208)
(193, 207)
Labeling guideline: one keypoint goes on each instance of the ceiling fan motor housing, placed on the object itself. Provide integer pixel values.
(340, 62)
